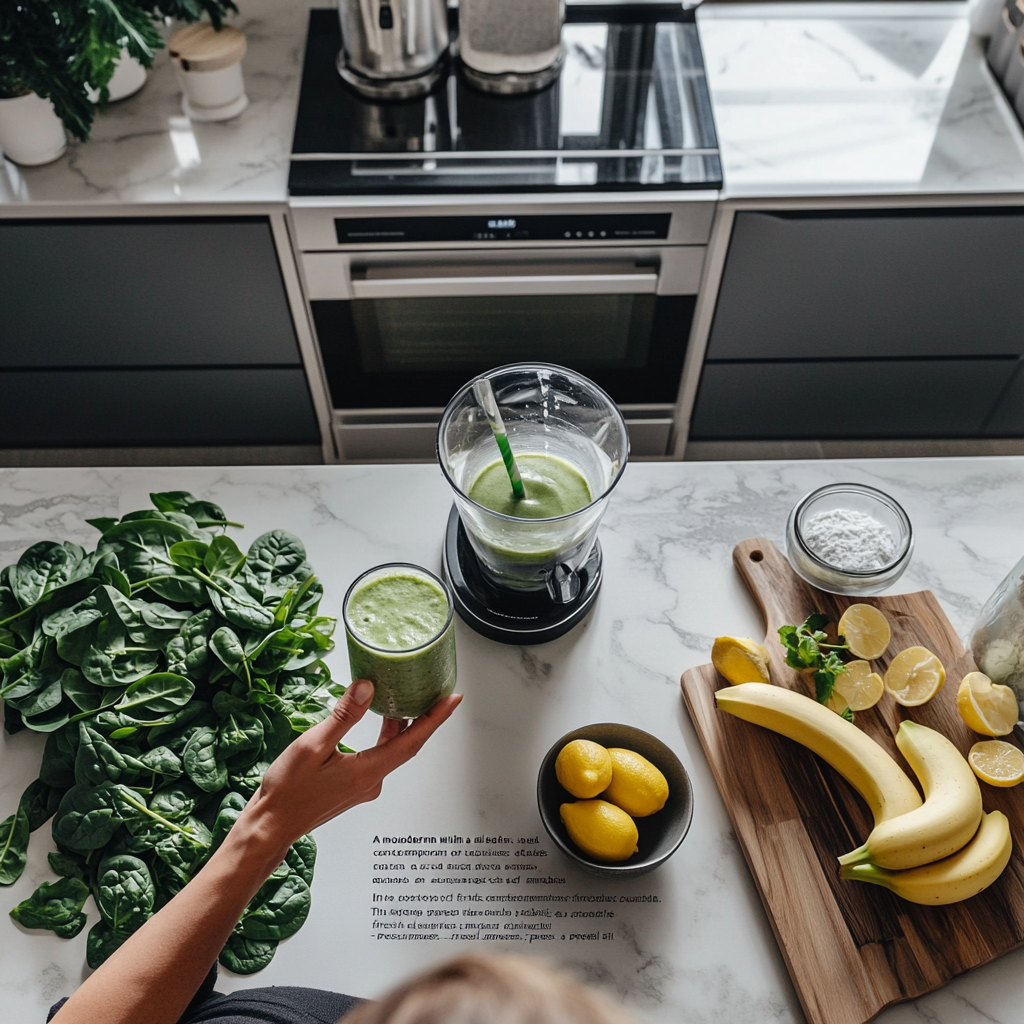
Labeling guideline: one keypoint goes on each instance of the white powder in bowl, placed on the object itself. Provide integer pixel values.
(849, 540)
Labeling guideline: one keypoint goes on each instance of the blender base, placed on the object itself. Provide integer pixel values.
(522, 618)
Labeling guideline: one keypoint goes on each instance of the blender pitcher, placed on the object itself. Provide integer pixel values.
(548, 410)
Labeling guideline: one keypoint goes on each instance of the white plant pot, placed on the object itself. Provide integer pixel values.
(128, 78)
(31, 133)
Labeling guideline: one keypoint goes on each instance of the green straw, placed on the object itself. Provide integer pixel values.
(485, 396)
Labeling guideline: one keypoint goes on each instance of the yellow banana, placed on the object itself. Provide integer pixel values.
(955, 878)
(944, 823)
(854, 754)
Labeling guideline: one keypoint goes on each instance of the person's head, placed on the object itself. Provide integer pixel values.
(489, 990)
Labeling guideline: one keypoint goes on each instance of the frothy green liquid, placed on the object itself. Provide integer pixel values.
(396, 636)
(397, 613)
(553, 488)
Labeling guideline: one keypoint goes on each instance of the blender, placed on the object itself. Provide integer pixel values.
(520, 575)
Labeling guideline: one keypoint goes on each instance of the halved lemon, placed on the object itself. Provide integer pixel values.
(838, 703)
(985, 706)
(997, 762)
(859, 686)
(866, 630)
(914, 676)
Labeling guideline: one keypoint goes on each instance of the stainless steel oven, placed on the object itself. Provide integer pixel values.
(408, 303)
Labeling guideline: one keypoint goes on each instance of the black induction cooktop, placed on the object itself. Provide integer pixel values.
(630, 111)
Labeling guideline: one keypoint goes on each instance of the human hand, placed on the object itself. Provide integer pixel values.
(312, 781)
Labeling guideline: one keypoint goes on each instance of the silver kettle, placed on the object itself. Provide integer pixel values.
(392, 49)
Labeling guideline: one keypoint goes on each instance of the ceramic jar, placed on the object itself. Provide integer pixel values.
(209, 69)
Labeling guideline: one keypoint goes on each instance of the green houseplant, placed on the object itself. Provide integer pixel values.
(58, 48)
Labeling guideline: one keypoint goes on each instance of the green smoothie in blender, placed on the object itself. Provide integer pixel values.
(553, 488)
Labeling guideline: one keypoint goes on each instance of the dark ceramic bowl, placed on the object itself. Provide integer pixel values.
(660, 834)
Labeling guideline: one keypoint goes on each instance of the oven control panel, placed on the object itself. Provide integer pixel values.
(611, 227)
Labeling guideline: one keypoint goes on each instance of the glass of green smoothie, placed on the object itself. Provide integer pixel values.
(571, 446)
(401, 636)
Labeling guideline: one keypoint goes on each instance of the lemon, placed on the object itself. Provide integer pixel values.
(914, 676)
(866, 630)
(600, 829)
(986, 707)
(637, 786)
(740, 659)
(861, 687)
(997, 762)
(584, 768)
(838, 703)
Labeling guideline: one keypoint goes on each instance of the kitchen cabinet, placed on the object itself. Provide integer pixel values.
(149, 331)
(165, 407)
(908, 319)
(901, 398)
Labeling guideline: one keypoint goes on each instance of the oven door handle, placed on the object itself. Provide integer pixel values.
(641, 283)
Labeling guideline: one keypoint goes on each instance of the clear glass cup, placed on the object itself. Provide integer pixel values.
(406, 601)
(857, 498)
(997, 639)
(548, 410)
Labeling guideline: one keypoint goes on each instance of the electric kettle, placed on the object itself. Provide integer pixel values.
(392, 49)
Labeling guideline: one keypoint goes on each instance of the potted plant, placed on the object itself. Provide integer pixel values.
(54, 52)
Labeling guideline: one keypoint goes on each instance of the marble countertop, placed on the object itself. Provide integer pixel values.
(145, 150)
(843, 99)
(810, 100)
(690, 941)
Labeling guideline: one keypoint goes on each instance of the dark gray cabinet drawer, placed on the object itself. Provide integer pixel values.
(834, 400)
(122, 408)
(1008, 418)
(142, 292)
(871, 284)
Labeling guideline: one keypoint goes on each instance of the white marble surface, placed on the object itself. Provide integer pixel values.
(705, 953)
(145, 150)
(809, 99)
(856, 98)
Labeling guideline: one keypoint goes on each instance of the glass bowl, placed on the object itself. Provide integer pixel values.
(858, 498)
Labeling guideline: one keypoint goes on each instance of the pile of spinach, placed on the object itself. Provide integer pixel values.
(168, 670)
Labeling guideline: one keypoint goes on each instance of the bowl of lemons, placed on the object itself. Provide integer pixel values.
(615, 799)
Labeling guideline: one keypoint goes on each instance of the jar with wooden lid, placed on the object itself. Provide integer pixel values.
(209, 66)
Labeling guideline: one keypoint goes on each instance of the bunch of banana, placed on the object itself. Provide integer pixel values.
(940, 851)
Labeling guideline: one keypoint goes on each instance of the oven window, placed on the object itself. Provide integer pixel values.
(417, 352)
(397, 335)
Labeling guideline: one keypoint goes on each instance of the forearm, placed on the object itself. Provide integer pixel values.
(153, 976)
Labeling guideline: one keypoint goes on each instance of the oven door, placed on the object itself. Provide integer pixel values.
(400, 333)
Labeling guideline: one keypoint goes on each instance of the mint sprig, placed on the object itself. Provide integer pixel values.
(807, 649)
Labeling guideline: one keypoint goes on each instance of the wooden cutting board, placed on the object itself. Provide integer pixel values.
(851, 949)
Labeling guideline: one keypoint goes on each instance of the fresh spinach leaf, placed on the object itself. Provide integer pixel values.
(67, 865)
(14, 833)
(39, 802)
(87, 817)
(235, 604)
(223, 558)
(246, 956)
(124, 893)
(101, 943)
(161, 692)
(279, 909)
(102, 523)
(202, 763)
(225, 644)
(115, 660)
(301, 858)
(56, 906)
